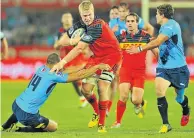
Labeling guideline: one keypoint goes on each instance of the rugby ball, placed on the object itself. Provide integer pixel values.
(79, 32)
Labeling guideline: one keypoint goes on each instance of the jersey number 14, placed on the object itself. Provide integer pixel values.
(34, 82)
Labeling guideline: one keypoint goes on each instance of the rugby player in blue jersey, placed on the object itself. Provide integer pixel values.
(172, 68)
(118, 24)
(26, 106)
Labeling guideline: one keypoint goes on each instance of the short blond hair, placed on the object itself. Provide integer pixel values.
(86, 5)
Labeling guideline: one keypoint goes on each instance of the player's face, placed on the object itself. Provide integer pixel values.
(123, 12)
(67, 21)
(131, 23)
(114, 13)
(87, 16)
(158, 17)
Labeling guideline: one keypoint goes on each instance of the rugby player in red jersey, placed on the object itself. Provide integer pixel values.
(132, 71)
(105, 48)
(67, 22)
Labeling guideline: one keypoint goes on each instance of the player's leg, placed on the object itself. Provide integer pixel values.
(180, 82)
(41, 125)
(138, 92)
(77, 87)
(161, 87)
(111, 94)
(124, 89)
(183, 101)
(88, 85)
(9, 123)
(137, 100)
(103, 86)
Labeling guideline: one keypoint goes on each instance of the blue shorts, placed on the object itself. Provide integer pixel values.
(179, 77)
(28, 119)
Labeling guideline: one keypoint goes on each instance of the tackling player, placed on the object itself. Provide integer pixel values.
(67, 22)
(105, 47)
(26, 106)
(172, 68)
(132, 71)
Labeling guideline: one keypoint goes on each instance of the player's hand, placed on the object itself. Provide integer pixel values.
(58, 67)
(74, 41)
(132, 50)
(152, 38)
(115, 28)
(103, 66)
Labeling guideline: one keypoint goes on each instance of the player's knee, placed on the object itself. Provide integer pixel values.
(124, 97)
(159, 91)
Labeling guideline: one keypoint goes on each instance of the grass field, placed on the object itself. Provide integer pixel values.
(62, 106)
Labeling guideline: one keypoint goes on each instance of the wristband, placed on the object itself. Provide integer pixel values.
(140, 48)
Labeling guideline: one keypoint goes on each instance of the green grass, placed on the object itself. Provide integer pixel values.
(62, 106)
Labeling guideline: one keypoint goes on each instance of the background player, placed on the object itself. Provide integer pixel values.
(26, 106)
(4, 46)
(118, 24)
(172, 68)
(114, 12)
(67, 22)
(132, 71)
(104, 45)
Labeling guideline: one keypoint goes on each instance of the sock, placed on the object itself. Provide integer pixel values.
(163, 109)
(12, 119)
(109, 105)
(142, 104)
(76, 86)
(102, 110)
(185, 106)
(93, 101)
(121, 106)
(30, 129)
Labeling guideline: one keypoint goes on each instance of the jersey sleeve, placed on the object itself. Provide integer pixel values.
(167, 30)
(141, 23)
(93, 33)
(59, 77)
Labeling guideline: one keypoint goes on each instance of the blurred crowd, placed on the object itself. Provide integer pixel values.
(39, 27)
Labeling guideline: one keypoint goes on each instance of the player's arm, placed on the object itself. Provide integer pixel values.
(151, 45)
(155, 51)
(155, 43)
(93, 33)
(65, 40)
(4, 44)
(146, 26)
(84, 73)
(149, 28)
(73, 69)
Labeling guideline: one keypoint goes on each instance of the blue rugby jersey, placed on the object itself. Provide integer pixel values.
(39, 89)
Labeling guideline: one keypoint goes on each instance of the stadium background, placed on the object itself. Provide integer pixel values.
(31, 26)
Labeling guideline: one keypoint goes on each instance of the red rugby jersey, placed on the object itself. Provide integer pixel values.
(134, 61)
